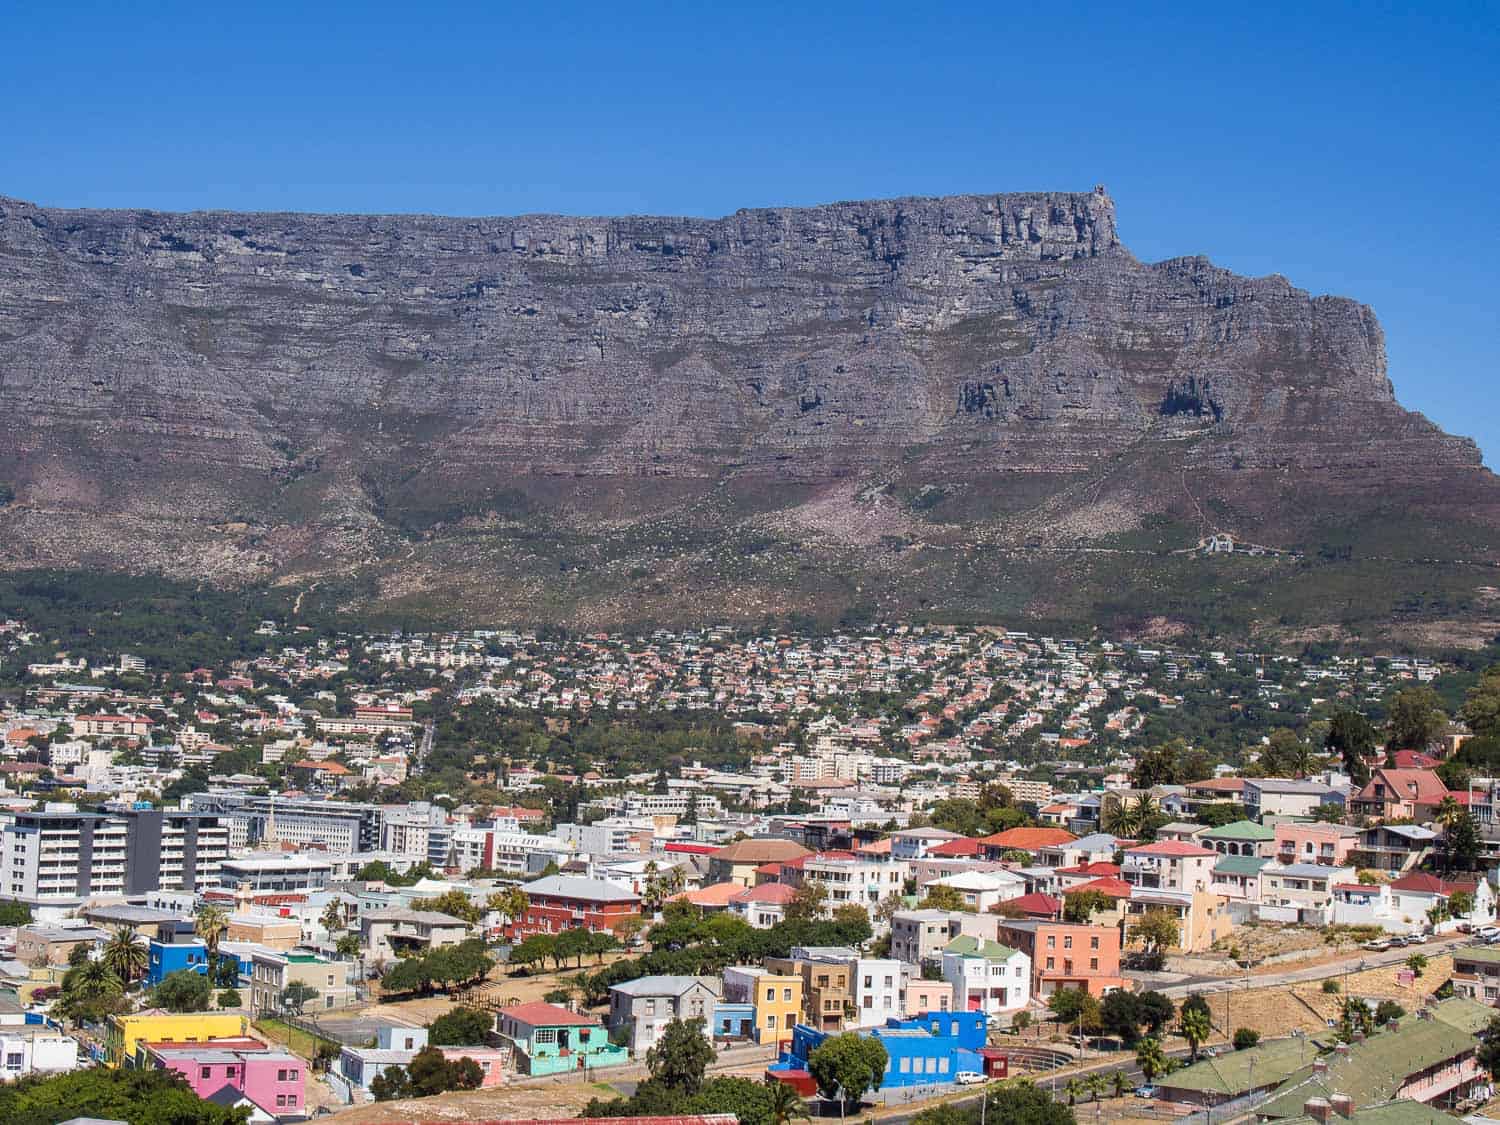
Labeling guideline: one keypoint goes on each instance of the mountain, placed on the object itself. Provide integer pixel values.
(977, 407)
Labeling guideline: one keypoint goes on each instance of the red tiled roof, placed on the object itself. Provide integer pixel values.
(768, 892)
(1175, 849)
(956, 849)
(715, 894)
(1421, 786)
(1036, 904)
(1097, 869)
(1114, 888)
(1414, 760)
(538, 1014)
(1028, 839)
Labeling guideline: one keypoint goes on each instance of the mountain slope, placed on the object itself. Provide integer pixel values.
(977, 407)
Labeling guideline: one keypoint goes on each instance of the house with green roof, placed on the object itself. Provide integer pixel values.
(1241, 838)
(1424, 1059)
(1237, 1074)
(1398, 1111)
(986, 976)
(1237, 877)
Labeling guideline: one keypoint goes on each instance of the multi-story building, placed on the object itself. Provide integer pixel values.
(273, 1079)
(918, 936)
(825, 984)
(876, 987)
(851, 880)
(62, 857)
(389, 931)
(1280, 796)
(339, 826)
(35, 1049)
(156, 1025)
(1395, 794)
(276, 874)
(1067, 955)
(271, 974)
(643, 1007)
(1169, 865)
(776, 999)
(986, 976)
(566, 902)
(1300, 892)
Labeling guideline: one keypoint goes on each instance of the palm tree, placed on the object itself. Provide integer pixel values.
(211, 924)
(1074, 1088)
(1132, 818)
(1448, 811)
(1097, 1085)
(95, 978)
(1195, 1029)
(1119, 1083)
(786, 1104)
(332, 917)
(126, 955)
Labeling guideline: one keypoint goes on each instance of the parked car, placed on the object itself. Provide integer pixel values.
(1376, 946)
(968, 1078)
(1146, 1091)
(1417, 939)
(1489, 934)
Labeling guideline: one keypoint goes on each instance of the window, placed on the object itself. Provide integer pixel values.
(770, 994)
(943, 1065)
(906, 1066)
(1068, 942)
(1051, 962)
(786, 994)
(771, 1022)
(291, 1100)
(1094, 942)
(1051, 941)
(283, 1075)
(544, 1035)
(1094, 964)
(205, 1072)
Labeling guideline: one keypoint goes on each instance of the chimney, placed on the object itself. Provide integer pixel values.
(1343, 1105)
(1320, 1066)
(1342, 1049)
(1318, 1109)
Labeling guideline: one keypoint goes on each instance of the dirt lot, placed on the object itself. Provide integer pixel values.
(560, 1099)
(1306, 1007)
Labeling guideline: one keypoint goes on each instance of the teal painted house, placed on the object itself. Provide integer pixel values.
(552, 1040)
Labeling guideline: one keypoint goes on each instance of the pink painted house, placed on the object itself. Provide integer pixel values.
(274, 1080)
(1328, 844)
(492, 1061)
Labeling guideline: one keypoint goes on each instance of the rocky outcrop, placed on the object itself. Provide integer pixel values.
(248, 396)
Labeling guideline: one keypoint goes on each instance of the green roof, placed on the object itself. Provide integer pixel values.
(967, 945)
(1469, 1016)
(1240, 865)
(1374, 1070)
(1402, 1111)
(1241, 830)
(1230, 1074)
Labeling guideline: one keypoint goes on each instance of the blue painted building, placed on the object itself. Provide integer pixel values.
(734, 1021)
(172, 957)
(928, 1049)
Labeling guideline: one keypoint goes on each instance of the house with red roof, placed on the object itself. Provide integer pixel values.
(1035, 905)
(964, 847)
(1400, 794)
(1170, 865)
(552, 1040)
(765, 905)
(1030, 840)
(1415, 894)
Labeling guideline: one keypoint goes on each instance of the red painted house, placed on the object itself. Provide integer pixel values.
(570, 902)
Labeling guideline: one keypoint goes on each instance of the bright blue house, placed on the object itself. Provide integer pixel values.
(734, 1021)
(928, 1049)
(172, 957)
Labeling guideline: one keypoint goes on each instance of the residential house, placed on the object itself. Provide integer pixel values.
(552, 1040)
(918, 936)
(926, 996)
(1280, 796)
(644, 1006)
(876, 987)
(763, 906)
(1300, 893)
(326, 982)
(1169, 866)
(982, 891)
(848, 879)
(1400, 794)
(1067, 955)
(394, 1046)
(160, 1026)
(38, 944)
(1315, 843)
(986, 976)
(737, 862)
(826, 986)
(1394, 847)
(1031, 840)
(776, 999)
(1416, 894)
(1241, 838)
(1237, 878)
(393, 930)
(1200, 915)
(273, 1079)
(916, 843)
(927, 1050)
(35, 1048)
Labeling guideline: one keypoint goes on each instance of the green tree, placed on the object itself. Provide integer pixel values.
(807, 903)
(1156, 1011)
(211, 923)
(1119, 1083)
(182, 991)
(1462, 846)
(295, 996)
(348, 946)
(786, 1104)
(849, 1065)
(1158, 931)
(1151, 1058)
(1386, 1011)
(460, 1027)
(680, 1056)
(940, 897)
(1080, 906)
(1416, 963)
(1245, 1038)
(126, 955)
(1489, 1048)
(453, 903)
(431, 1073)
(1481, 708)
(229, 998)
(1414, 719)
(511, 903)
(1352, 738)
(1196, 1029)
(1120, 1015)
(141, 1097)
(390, 1084)
(332, 917)
(532, 950)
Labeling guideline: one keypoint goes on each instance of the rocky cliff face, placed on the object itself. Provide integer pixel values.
(584, 418)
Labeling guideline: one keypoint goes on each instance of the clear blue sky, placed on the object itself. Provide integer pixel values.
(1351, 147)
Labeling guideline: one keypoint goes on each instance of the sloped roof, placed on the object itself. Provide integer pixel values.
(967, 945)
(538, 1014)
(1241, 830)
(769, 893)
(1037, 904)
(1174, 849)
(760, 850)
(1240, 865)
(1230, 1074)
(1028, 839)
(573, 886)
(664, 985)
(1114, 888)
(956, 849)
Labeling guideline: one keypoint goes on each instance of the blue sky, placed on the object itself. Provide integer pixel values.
(1352, 148)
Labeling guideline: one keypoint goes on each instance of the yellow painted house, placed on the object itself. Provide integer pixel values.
(159, 1026)
(778, 1006)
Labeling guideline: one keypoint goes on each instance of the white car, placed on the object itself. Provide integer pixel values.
(968, 1078)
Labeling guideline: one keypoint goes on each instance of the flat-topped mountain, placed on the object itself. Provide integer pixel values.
(975, 407)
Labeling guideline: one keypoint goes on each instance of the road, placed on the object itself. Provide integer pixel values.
(1359, 959)
(429, 732)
